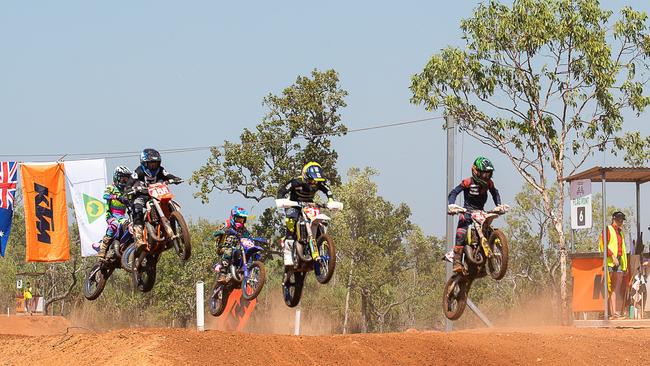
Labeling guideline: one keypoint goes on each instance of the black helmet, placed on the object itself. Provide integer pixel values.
(121, 176)
(150, 161)
(482, 170)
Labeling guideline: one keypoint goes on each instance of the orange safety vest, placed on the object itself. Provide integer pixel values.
(612, 245)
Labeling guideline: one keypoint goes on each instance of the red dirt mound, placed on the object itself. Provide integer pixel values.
(33, 325)
(532, 346)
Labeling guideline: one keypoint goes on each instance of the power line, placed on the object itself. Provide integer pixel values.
(385, 126)
(128, 154)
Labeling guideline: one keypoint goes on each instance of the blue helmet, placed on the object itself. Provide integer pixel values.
(150, 161)
(238, 217)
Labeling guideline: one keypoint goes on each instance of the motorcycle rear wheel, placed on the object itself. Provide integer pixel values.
(324, 268)
(182, 244)
(252, 285)
(218, 299)
(292, 289)
(454, 297)
(497, 264)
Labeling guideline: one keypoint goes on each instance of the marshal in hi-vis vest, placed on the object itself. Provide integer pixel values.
(612, 245)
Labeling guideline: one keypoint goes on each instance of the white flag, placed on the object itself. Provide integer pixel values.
(87, 181)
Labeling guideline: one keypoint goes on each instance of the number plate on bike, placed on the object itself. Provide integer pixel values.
(158, 190)
(247, 243)
(312, 212)
(479, 216)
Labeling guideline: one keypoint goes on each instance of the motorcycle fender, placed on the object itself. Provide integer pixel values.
(321, 217)
(175, 205)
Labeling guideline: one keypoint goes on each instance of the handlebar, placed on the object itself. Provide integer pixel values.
(287, 203)
(143, 188)
(459, 210)
(232, 232)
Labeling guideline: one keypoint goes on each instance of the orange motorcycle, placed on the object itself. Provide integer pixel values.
(164, 228)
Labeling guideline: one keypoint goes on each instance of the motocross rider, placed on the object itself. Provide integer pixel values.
(237, 222)
(148, 172)
(302, 189)
(475, 190)
(117, 202)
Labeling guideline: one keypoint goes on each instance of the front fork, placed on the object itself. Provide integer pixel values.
(484, 241)
(165, 221)
(312, 242)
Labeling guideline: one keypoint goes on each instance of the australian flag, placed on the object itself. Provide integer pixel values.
(8, 180)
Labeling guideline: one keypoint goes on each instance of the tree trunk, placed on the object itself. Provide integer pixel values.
(347, 298)
(67, 293)
(559, 227)
(364, 313)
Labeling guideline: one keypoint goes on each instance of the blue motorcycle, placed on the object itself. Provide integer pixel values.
(246, 270)
(102, 270)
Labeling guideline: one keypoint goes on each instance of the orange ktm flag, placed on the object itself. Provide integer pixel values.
(46, 214)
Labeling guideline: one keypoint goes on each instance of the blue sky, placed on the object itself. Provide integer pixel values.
(79, 76)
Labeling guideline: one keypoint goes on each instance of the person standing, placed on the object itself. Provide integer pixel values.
(616, 261)
(27, 296)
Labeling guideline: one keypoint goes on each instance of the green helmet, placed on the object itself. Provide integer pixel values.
(482, 170)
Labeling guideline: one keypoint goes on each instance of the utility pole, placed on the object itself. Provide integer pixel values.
(451, 147)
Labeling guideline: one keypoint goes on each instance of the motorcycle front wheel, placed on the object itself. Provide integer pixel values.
(96, 281)
(497, 264)
(128, 257)
(292, 289)
(454, 298)
(218, 299)
(182, 244)
(252, 285)
(324, 267)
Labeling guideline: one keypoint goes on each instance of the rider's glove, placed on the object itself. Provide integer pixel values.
(454, 209)
(125, 201)
(503, 208)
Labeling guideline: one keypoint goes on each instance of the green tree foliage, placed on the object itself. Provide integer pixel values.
(545, 83)
(296, 130)
(381, 252)
(174, 291)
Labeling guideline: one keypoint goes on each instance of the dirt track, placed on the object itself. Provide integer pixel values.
(526, 346)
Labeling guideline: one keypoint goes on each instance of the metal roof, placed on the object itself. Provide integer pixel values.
(614, 174)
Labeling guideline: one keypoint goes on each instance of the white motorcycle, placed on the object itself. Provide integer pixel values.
(313, 249)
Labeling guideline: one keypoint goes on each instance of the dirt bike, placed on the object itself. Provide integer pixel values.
(486, 252)
(164, 228)
(102, 270)
(313, 249)
(246, 270)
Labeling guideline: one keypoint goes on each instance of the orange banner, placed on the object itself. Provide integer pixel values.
(588, 284)
(46, 215)
(236, 313)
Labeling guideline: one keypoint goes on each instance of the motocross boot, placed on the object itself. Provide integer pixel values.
(138, 236)
(106, 241)
(458, 265)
